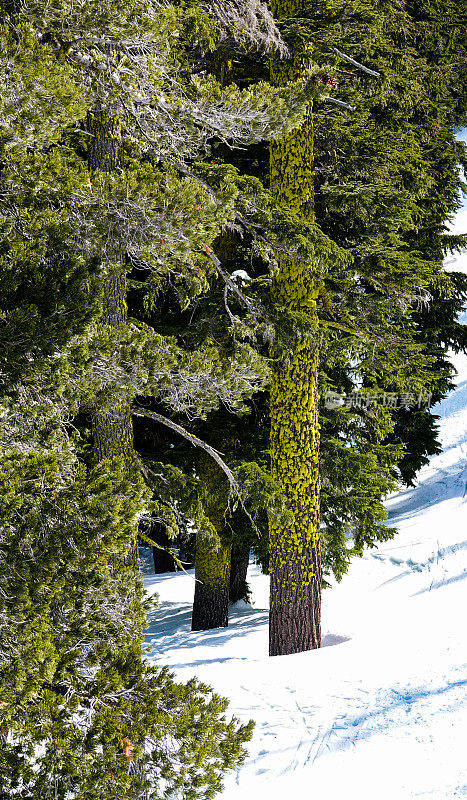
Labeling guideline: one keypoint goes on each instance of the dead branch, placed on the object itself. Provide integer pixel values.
(356, 63)
(339, 103)
(196, 442)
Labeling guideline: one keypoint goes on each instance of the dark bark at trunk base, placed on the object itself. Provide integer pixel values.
(296, 629)
(295, 547)
(212, 565)
(210, 607)
(239, 589)
(163, 559)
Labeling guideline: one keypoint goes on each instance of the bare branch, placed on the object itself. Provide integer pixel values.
(248, 22)
(190, 437)
(339, 103)
(233, 319)
(148, 540)
(230, 284)
(356, 63)
(196, 442)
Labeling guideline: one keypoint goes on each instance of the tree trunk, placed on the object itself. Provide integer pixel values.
(295, 557)
(240, 559)
(211, 601)
(112, 429)
(163, 559)
(212, 562)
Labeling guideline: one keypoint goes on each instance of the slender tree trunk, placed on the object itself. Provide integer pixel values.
(112, 429)
(295, 559)
(212, 564)
(240, 559)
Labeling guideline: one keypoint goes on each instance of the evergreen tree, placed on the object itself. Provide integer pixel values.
(404, 124)
(358, 208)
(350, 201)
(84, 714)
(295, 557)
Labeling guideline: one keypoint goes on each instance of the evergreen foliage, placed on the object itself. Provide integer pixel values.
(116, 173)
(386, 179)
(84, 714)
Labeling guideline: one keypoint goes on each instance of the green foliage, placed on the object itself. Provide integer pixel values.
(83, 713)
(38, 93)
(386, 181)
(75, 688)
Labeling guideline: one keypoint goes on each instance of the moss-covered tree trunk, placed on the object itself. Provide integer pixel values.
(295, 563)
(212, 562)
(112, 429)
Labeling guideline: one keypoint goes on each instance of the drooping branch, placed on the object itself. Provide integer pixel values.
(196, 442)
(182, 126)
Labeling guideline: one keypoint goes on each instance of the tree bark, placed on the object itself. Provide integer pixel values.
(211, 602)
(295, 555)
(212, 571)
(240, 559)
(212, 562)
(112, 429)
(163, 560)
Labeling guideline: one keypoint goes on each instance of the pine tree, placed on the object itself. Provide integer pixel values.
(381, 228)
(295, 557)
(355, 480)
(84, 714)
(404, 123)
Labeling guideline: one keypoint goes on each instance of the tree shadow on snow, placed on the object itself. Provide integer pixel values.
(347, 729)
(169, 628)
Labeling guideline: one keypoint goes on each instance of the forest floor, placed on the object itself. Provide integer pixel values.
(380, 712)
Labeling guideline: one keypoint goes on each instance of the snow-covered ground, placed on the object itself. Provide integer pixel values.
(380, 712)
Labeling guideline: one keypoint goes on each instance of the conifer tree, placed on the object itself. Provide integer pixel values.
(386, 247)
(83, 714)
(295, 549)
(404, 123)
(355, 480)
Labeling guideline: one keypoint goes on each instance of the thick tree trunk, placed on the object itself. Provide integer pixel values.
(211, 601)
(212, 563)
(240, 559)
(104, 128)
(112, 430)
(295, 558)
(295, 614)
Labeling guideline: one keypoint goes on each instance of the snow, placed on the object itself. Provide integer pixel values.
(380, 712)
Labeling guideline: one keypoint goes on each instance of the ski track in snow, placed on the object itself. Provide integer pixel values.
(380, 712)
